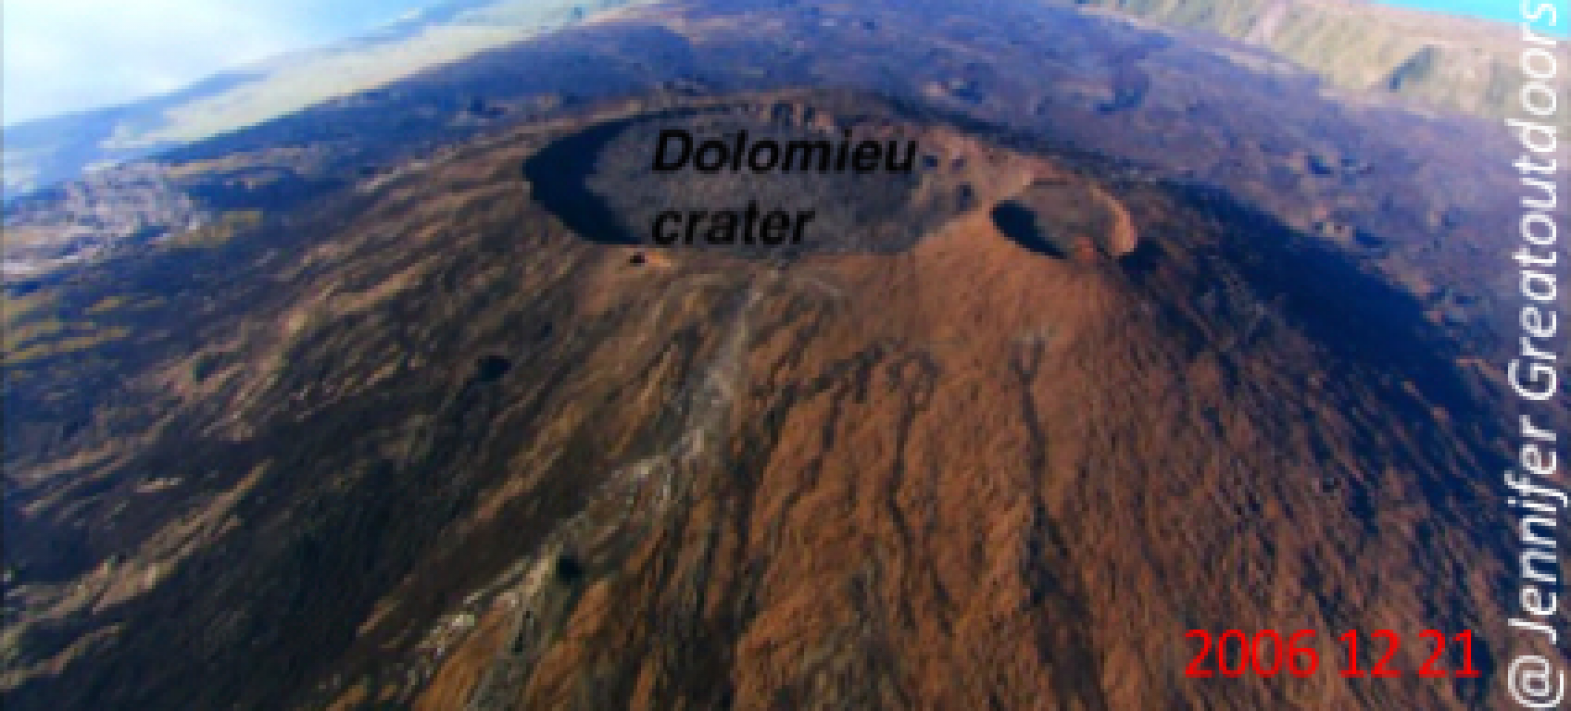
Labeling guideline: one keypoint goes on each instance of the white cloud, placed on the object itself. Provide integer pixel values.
(71, 55)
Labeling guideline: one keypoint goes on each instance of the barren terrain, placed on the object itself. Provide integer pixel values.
(1152, 341)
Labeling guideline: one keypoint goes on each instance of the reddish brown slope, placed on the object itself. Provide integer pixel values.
(974, 475)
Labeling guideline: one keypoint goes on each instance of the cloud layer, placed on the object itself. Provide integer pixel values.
(70, 55)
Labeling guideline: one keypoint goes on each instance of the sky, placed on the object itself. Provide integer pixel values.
(61, 56)
(1503, 10)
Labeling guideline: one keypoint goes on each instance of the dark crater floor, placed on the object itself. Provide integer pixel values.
(601, 182)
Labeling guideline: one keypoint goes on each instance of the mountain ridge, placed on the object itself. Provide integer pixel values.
(1465, 64)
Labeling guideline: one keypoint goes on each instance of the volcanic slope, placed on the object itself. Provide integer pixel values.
(415, 425)
(435, 448)
(990, 471)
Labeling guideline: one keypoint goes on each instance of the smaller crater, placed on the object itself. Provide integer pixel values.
(1066, 221)
(491, 368)
(568, 569)
(1019, 224)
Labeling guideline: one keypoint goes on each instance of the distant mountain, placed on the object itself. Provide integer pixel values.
(48, 151)
(1447, 61)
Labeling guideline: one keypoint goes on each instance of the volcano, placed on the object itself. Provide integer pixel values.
(409, 411)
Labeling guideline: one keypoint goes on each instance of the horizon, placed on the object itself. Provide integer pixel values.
(156, 56)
